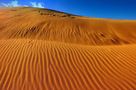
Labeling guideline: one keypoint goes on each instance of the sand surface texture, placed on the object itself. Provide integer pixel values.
(43, 49)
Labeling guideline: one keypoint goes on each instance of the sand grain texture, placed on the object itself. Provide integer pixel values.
(43, 49)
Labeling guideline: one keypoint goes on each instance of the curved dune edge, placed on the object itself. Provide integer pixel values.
(44, 24)
(40, 65)
(42, 49)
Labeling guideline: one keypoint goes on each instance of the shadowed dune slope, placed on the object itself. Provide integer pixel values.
(43, 49)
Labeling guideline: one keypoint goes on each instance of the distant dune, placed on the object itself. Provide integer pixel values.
(43, 49)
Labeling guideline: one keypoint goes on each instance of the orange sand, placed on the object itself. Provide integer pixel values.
(49, 50)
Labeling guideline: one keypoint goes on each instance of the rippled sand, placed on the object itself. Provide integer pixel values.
(49, 50)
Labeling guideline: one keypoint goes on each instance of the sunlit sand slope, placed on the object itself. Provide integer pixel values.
(49, 50)
(33, 64)
(51, 25)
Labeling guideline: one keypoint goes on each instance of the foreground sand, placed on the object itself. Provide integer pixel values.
(62, 53)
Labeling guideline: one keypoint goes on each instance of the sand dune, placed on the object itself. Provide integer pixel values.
(30, 23)
(49, 50)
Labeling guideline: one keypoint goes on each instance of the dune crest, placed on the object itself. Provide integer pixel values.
(44, 49)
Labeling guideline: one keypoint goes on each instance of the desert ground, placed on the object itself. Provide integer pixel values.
(42, 49)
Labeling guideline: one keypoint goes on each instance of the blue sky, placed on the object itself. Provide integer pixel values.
(115, 9)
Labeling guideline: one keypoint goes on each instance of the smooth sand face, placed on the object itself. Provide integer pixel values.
(48, 50)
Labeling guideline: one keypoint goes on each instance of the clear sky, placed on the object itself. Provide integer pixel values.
(115, 9)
